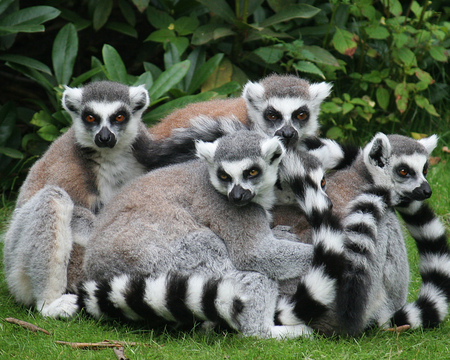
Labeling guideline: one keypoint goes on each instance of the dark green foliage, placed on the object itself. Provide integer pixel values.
(387, 61)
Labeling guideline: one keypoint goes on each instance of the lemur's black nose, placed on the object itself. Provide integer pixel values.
(422, 192)
(105, 138)
(240, 196)
(288, 135)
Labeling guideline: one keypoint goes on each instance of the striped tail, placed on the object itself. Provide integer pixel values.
(333, 155)
(361, 229)
(167, 298)
(431, 306)
(180, 146)
(338, 277)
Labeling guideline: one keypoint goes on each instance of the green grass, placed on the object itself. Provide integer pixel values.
(16, 342)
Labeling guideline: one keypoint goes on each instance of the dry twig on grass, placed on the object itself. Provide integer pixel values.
(399, 329)
(26, 325)
(98, 345)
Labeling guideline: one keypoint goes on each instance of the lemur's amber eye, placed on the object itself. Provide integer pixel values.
(272, 117)
(403, 172)
(120, 118)
(323, 183)
(302, 115)
(253, 172)
(90, 118)
(425, 172)
(224, 176)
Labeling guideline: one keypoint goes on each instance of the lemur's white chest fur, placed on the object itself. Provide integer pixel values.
(115, 168)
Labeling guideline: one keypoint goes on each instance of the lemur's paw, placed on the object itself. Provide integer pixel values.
(281, 332)
(64, 307)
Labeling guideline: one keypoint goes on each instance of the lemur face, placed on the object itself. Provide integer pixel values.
(400, 163)
(243, 166)
(105, 114)
(285, 106)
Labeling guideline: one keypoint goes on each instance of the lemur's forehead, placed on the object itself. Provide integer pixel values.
(104, 109)
(415, 161)
(405, 145)
(243, 144)
(285, 86)
(287, 105)
(106, 92)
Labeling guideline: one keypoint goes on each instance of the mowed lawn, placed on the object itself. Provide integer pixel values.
(143, 343)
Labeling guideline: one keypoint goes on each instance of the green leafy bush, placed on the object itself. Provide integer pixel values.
(387, 62)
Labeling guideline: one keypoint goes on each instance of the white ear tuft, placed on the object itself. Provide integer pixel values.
(139, 98)
(206, 150)
(252, 92)
(429, 143)
(378, 151)
(319, 91)
(71, 99)
(272, 150)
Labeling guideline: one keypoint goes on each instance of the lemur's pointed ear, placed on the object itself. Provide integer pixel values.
(429, 143)
(139, 98)
(272, 150)
(252, 92)
(319, 91)
(206, 150)
(71, 99)
(378, 151)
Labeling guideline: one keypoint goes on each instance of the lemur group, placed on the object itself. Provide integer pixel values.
(229, 213)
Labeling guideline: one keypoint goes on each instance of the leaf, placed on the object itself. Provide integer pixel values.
(219, 78)
(308, 67)
(197, 58)
(41, 119)
(424, 76)
(186, 25)
(347, 107)
(401, 97)
(114, 65)
(394, 6)
(7, 121)
(439, 53)
(406, 56)
(5, 30)
(64, 53)
(128, 12)
(26, 61)
(318, 55)
(85, 76)
(330, 107)
(269, 54)
(145, 79)
(141, 4)
(122, 28)
(168, 79)
(377, 32)
(102, 11)
(277, 5)
(204, 72)
(4, 5)
(49, 132)
(302, 11)
(221, 9)
(12, 153)
(334, 133)
(33, 15)
(382, 95)
(159, 19)
(161, 36)
(431, 110)
(211, 32)
(343, 42)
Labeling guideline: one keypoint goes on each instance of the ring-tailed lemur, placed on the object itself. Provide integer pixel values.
(278, 105)
(186, 295)
(107, 146)
(375, 282)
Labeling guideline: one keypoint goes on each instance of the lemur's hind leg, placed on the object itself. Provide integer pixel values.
(37, 250)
